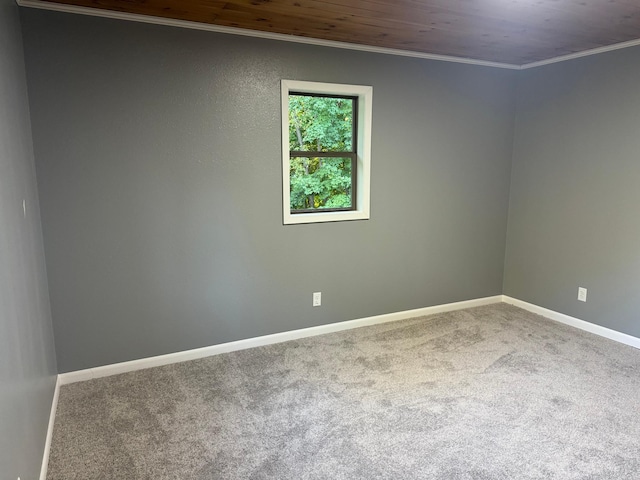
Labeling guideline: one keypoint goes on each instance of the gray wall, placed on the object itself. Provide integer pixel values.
(575, 192)
(159, 167)
(27, 357)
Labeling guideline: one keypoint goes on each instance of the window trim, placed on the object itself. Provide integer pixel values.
(361, 188)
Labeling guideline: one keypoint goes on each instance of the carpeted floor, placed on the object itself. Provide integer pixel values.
(491, 392)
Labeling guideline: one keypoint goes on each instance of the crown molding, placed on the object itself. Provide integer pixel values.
(584, 53)
(96, 12)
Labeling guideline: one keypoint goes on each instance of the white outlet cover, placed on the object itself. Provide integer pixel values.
(582, 294)
(317, 299)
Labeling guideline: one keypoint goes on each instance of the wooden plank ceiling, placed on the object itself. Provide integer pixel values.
(506, 31)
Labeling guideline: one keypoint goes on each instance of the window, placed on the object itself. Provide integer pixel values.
(326, 139)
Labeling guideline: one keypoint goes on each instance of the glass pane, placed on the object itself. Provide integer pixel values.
(320, 183)
(320, 124)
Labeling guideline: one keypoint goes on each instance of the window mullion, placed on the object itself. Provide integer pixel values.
(314, 153)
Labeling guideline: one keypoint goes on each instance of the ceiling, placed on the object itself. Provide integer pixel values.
(514, 32)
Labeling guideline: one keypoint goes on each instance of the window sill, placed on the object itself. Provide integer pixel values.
(323, 217)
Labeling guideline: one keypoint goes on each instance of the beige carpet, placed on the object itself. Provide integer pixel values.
(486, 393)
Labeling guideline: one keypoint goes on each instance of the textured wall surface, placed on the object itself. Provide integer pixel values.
(573, 218)
(159, 168)
(27, 356)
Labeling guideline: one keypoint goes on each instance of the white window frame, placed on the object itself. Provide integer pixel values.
(363, 169)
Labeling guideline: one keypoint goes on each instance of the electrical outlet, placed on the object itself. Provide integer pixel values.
(582, 294)
(317, 299)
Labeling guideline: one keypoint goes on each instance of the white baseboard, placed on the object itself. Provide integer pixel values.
(575, 322)
(117, 368)
(52, 419)
(114, 369)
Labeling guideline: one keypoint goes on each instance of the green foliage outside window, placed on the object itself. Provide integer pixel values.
(319, 125)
